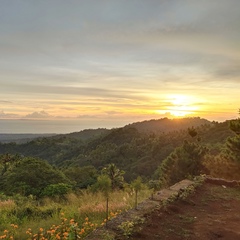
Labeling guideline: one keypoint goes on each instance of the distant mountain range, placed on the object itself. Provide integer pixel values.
(21, 138)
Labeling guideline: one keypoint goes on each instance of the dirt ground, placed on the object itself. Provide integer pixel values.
(212, 212)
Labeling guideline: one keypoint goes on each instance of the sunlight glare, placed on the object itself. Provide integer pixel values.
(179, 106)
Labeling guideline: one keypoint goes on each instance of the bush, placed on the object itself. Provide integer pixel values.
(56, 189)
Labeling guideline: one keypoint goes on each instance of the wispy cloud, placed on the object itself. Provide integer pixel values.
(8, 115)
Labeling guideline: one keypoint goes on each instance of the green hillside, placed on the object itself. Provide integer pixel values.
(137, 148)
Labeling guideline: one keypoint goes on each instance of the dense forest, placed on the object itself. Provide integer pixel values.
(164, 149)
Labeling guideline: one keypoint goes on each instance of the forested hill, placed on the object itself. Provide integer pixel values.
(136, 152)
(85, 134)
(166, 125)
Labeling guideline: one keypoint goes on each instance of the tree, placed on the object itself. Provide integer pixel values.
(115, 175)
(56, 189)
(30, 176)
(192, 132)
(227, 163)
(154, 185)
(234, 125)
(104, 185)
(233, 143)
(82, 176)
(137, 186)
(183, 162)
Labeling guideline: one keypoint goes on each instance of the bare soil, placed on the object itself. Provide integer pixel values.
(211, 212)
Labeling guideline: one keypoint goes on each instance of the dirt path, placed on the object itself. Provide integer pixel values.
(212, 212)
(137, 216)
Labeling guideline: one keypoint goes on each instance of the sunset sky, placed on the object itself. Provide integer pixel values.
(67, 65)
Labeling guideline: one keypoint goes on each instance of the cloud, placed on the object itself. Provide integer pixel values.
(8, 115)
(41, 114)
(107, 57)
(228, 71)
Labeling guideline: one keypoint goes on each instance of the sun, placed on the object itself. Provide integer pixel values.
(179, 106)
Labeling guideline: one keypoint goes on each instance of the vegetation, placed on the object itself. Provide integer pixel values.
(137, 149)
(227, 163)
(72, 216)
(30, 176)
(137, 186)
(115, 175)
(183, 162)
(83, 175)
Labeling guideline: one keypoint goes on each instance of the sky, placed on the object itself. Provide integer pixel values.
(78, 64)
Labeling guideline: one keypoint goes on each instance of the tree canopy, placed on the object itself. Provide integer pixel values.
(30, 176)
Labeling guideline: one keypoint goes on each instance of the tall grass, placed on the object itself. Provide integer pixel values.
(7, 205)
(75, 207)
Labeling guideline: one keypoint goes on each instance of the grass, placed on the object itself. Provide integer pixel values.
(48, 214)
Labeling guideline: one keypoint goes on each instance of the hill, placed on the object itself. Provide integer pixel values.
(134, 151)
(85, 134)
(166, 125)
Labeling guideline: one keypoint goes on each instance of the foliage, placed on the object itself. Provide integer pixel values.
(185, 161)
(81, 212)
(222, 166)
(192, 132)
(115, 175)
(233, 143)
(30, 176)
(227, 163)
(81, 176)
(135, 148)
(234, 125)
(56, 189)
(127, 228)
(233, 148)
(155, 185)
(137, 186)
(104, 184)
(167, 125)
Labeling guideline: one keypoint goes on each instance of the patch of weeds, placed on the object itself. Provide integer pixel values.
(184, 193)
(127, 228)
(139, 220)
